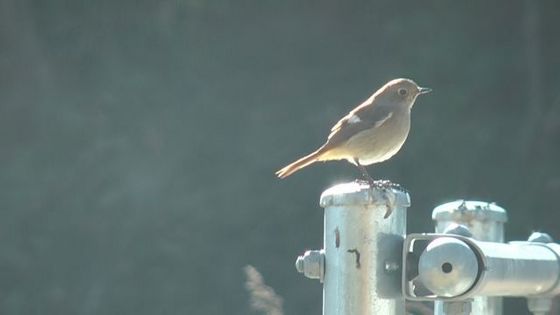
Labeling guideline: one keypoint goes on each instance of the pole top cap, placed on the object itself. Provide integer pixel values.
(461, 210)
(361, 193)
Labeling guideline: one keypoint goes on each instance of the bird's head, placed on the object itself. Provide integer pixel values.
(402, 91)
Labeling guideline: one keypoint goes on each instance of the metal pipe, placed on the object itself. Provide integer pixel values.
(461, 268)
(517, 269)
(486, 223)
(363, 250)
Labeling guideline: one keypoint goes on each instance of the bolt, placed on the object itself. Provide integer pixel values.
(299, 264)
(312, 264)
(391, 266)
(538, 237)
(458, 229)
(539, 305)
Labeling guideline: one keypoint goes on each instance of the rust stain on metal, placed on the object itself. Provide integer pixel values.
(357, 253)
(337, 237)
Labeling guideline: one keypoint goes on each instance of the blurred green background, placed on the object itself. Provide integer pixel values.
(140, 138)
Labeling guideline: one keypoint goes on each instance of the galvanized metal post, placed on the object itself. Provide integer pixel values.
(486, 223)
(363, 250)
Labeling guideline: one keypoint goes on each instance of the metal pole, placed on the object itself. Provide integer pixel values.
(363, 250)
(486, 223)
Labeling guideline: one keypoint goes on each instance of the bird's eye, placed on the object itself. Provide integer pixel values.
(402, 92)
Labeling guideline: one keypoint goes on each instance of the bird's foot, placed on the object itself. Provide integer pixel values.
(383, 184)
(387, 184)
(366, 181)
(379, 184)
(387, 187)
(361, 181)
(390, 204)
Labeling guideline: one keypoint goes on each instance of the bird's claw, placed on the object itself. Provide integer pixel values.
(389, 203)
(386, 186)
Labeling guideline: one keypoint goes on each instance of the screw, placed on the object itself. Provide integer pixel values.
(538, 237)
(299, 264)
(391, 266)
(312, 264)
(458, 229)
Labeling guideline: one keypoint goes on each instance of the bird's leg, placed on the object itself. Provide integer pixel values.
(389, 197)
(365, 174)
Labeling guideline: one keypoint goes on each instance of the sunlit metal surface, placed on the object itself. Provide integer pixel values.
(448, 267)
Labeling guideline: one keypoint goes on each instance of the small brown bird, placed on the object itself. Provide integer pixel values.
(371, 133)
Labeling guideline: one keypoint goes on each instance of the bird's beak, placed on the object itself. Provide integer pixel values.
(424, 90)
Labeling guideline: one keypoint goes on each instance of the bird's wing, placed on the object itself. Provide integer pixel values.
(363, 117)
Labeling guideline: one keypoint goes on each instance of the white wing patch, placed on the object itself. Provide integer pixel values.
(382, 121)
(354, 119)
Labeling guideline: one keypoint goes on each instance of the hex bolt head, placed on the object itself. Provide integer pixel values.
(312, 264)
(299, 264)
(539, 237)
(391, 266)
(539, 305)
(458, 229)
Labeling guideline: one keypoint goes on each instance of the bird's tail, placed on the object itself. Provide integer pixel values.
(299, 164)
